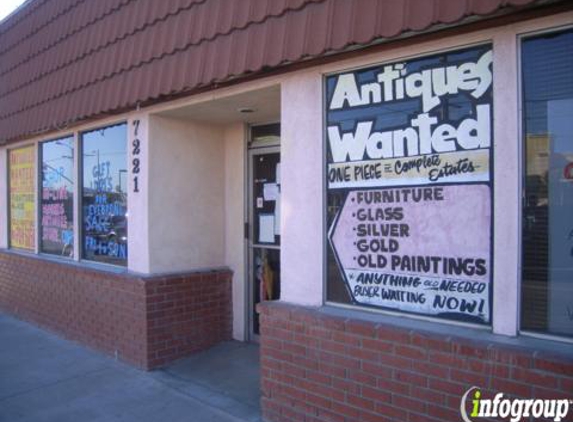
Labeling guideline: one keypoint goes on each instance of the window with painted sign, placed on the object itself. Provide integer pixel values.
(547, 286)
(22, 176)
(104, 197)
(409, 186)
(57, 197)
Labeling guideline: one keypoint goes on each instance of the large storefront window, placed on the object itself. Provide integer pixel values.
(547, 288)
(104, 197)
(57, 197)
(22, 174)
(409, 186)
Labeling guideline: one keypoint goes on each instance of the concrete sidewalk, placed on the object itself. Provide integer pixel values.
(46, 378)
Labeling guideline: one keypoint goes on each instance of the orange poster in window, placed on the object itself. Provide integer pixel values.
(22, 208)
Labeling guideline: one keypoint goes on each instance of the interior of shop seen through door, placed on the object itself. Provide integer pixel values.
(264, 235)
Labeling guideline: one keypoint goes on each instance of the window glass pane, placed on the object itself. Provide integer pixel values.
(263, 133)
(547, 289)
(57, 210)
(22, 198)
(104, 197)
(409, 186)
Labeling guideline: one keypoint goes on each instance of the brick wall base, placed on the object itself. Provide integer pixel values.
(319, 367)
(144, 321)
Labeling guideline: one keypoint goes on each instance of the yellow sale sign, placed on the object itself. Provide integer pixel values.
(22, 204)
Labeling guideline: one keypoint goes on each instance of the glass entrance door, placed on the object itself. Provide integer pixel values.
(264, 235)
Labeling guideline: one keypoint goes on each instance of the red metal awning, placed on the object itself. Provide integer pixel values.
(62, 61)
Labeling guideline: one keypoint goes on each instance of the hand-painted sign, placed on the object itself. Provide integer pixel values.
(104, 196)
(421, 249)
(409, 184)
(103, 216)
(57, 197)
(22, 208)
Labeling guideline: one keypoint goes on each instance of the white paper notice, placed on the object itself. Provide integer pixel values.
(278, 216)
(266, 228)
(270, 191)
(278, 174)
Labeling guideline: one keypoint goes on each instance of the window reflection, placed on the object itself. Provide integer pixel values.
(547, 290)
(104, 206)
(57, 197)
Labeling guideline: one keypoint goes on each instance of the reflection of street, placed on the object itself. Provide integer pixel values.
(104, 197)
(57, 234)
(547, 251)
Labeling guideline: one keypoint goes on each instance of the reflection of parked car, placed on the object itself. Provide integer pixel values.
(535, 250)
(537, 186)
(119, 229)
(68, 250)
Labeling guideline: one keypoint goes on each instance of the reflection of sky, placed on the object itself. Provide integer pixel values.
(58, 163)
(560, 125)
(547, 62)
(106, 145)
(397, 114)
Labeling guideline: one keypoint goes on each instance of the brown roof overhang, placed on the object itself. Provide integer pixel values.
(65, 61)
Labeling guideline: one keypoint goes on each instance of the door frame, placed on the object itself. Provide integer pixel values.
(253, 149)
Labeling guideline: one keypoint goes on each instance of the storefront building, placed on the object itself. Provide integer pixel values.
(379, 192)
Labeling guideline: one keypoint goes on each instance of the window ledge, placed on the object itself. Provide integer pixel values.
(111, 269)
(68, 261)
